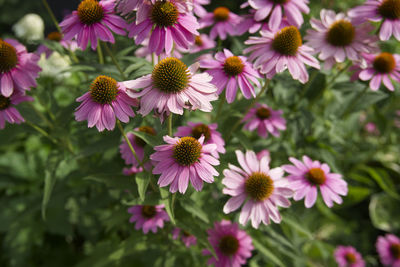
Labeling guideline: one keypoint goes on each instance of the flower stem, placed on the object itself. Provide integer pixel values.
(43, 132)
(114, 60)
(100, 52)
(220, 105)
(129, 143)
(53, 18)
(356, 100)
(170, 125)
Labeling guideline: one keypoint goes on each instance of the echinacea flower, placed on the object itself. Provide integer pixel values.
(264, 119)
(335, 38)
(201, 42)
(211, 135)
(306, 177)
(232, 245)
(187, 238)
(138, 145)
(388, 248)
(93, 21)
(272, 10)
(124, 7)
(18, 68)
(384, 67)
(171, 87)
(261, 188)
(71, 45)
(232, 72)
(165, 23)
(105, 100)
(8, 112)
(184, 159)
(277, 51)
(144, 52)
(385, 11)
(198, 8)
(223, 22)
(348, 257)
(148, 218)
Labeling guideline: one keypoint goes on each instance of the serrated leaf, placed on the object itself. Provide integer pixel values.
(142, 181)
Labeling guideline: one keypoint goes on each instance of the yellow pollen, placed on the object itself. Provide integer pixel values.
(170, 75)
(90, 12)
(341, 33)
(221, 14)
(384, 63)
(390, 9)
(187, 151)
(259, 186)
(287, 41)
(4, 102)
(233, 66)
(104, 89)
(198, 41)
(228, 245)
(164, 14)
(316, 176)
(201, 129)
(8, 57)
(55, 36)
(263, 113)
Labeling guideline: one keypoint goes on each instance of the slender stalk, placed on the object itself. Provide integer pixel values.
(40, 114)
(129, 143)
(329, 84)
(170, 125)
(356, 100)
(53, 18)
(100, 52)
(220, 105)
(114, 60)
(43, 132)
(304, 89)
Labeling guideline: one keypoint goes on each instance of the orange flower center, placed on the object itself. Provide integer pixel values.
(229, 245)
(259, 186)
(384, 63)
(201, 129)
(350, 258)
(54, 36)
(187, 151)
(287, 41)
(90, 12)
(341, 33)
(8, 57)
(395, 250)
(164, 14)
(316, 176)
(198, 41)
(149, 211)
(233, 66)
(221, 14)
(390, 9)
(170, 75)
(263, 113)
(104, 89)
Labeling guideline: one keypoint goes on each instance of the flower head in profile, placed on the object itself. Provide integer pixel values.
(148, 218)
(105, 100)
(261, 188)
(187, 238)
(386, 12)
(71, 45)
(275, 10)
(277, 51)
(381, 68)
(211, 135)
(348, 257)
(335, 38)
(388, 248)
(165, 23)
(223, 22)
(232, 245)
(8, 112)
(183, 159)
(171, 87)
(232, 72)
(18, 68)
(307, 176)
(265, 120)
(92, 21)
(201, 42)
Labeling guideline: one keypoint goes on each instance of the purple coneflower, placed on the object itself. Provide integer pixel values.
(386, 11)
(388, 248)
(348, 257)
(18, 68)
(187, 238)
(223, 22)
(201, 42)
(265, 120)
(166, 22)
(232, 245)
(124, 7)
(277, 51)
(305, 178)
(335, 38)
(171, 87)
(71, 45)
(211, 135)
(93, 20)
(8, 112)
(198, 8)
(232, 72)
(184, 159)
(105, 100)
(148, 217)
(262, 188)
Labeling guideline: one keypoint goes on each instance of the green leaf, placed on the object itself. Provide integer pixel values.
(382, 179)
(267, 253)
(112, 179)
(297, 226)
(49, 180)
(356, 194)
(384, 212)
(142, 181)
(167, 199)
(149, 139)
(190, 206)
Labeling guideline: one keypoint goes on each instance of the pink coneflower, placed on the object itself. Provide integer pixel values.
(18, 68)
(144, 52)
(8, 112)
(71, 45)
(387, 11)
(106, 99)
(223, 22)
(271, 10)
(93, 20)
(128, 171)
(211, 135)
(187, 238)
(171, 87)
(166, 22)
(201, 42)
(148, 217)
(388, 247)
(230, 72)
(184, 159)
(198, 8)
(262, 188)
(138, 144)
(383, 67)
(232, 245)
(348, 257)
(124, 7)
(305, 178)
(277, 51)
(265, 120)
(336, 38)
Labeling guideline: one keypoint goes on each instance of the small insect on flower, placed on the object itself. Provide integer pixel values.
(148, 218)
(105, 100)
(388, 248)
(348, 257)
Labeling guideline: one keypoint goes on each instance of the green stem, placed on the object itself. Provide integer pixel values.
(304, 89)
(129, 143)
(40, 114)
(53, 18)
(114, 60)
(170, 125)
(220, 105)
(329, 84)
(43, 132)
(358, 97)
(100, 52)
